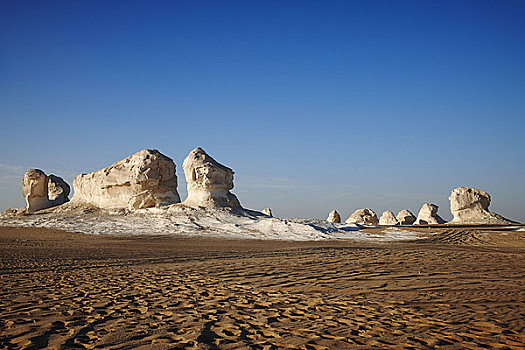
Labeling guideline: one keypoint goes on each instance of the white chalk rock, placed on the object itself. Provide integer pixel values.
(428, 215)
(57, 189)
(142, 200)
(334, 217)
(387, 218)
(267, 211)
(142, 180)
(363, 217)
(471, 206)
(405, 217)
(41, 191)
(34, 190)
(209, 182)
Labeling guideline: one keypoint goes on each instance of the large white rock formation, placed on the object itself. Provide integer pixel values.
(471, 206)
(42, 191)
(428, 215)
(405, 217)
(334, 217)
(209, 182)
(142, 180)
(387, 218)
(364, 217)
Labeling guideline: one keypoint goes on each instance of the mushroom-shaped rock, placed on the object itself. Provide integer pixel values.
(471, 206)
(428, 215)
(209, 182)
(334, 217)
(42, 191)
(142, 180)
(363, 217)
(405, 217)
(267, 212)
(387, 218)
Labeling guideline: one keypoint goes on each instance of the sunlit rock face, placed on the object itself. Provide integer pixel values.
(42, 191)
(142, 180)
(405, 217)
(363, 217)
(428, 215)
(209, 182)
(267, 212)
(387, 218)
(334, 217)
(471, 206)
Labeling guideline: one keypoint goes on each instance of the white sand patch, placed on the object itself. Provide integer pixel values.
(186, 221)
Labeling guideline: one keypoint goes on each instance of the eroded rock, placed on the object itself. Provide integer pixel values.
(10, 212)
(363, 217)
(267, 211)
(387, 218)
(142, 180)
(57, 189)
(334, 217)
(428, 215)
(42, 191)
(142, 200)
(471, 206)
(405, 217)
(209, 182)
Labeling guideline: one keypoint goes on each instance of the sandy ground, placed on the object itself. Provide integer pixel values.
(461, 288)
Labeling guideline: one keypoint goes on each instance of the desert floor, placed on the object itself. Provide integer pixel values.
(461, 288)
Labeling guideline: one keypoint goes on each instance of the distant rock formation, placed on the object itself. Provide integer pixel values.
(363, 217)
(428, 215)
(209, 182)
(267, 212)
(405, 217)
(42, 191)
(387, 218)
(471, 206)
(142, 180)
(334, 217)
(10, 212)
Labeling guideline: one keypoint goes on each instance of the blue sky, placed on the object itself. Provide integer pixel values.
(316, 105)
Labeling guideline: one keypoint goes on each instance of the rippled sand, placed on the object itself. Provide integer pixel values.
(458, 289)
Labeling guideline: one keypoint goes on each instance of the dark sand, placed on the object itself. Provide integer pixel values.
(463, 288)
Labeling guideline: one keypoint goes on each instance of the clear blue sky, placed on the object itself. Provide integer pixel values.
(317, 105)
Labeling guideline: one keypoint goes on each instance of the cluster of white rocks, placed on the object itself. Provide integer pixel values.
(148, 179)
(42, 191)
(467, 205)
(145, 179)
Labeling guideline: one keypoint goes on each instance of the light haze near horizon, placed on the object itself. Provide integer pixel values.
(315, 105)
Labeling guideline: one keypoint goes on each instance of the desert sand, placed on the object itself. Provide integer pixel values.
(460, 288)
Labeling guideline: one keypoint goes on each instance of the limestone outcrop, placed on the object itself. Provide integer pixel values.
(405, 217)
(363, 217)
(209, 182)
(10, 212)
(387, 218)
(471, 206)
(142, 180)
(267, 212)
(428, 215)
(42, 191)
(334, 217)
